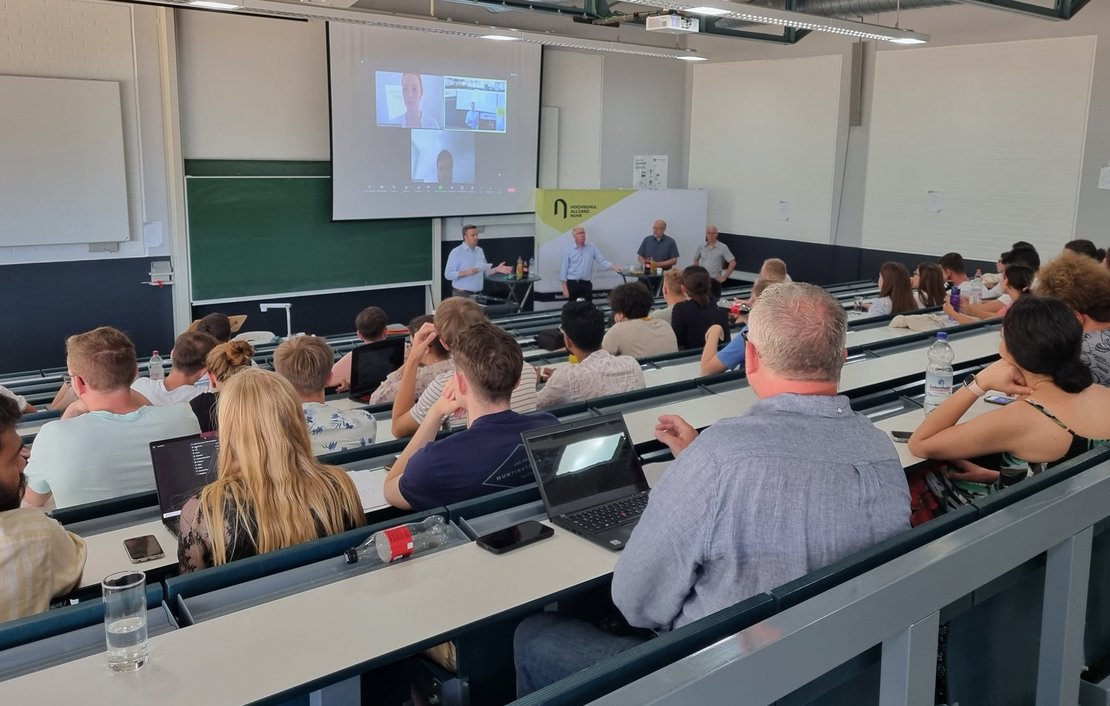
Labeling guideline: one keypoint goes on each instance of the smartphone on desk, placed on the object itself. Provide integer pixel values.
(513, 537)
(998, 399)
(901, 437)
(142, 549)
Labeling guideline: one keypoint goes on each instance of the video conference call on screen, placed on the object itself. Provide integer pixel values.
(431, 126)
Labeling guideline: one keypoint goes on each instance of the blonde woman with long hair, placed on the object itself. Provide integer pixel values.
(270, 492)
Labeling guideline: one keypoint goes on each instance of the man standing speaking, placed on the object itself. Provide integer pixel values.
(467, 266)
(576, 271)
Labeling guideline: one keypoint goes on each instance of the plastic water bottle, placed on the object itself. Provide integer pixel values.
(532, 266)
(977, 288)
(154, 367)
(398, 542)
(938, 373)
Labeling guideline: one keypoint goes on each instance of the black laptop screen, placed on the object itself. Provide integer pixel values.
(181, 468)
(370, 364)
(585, 463)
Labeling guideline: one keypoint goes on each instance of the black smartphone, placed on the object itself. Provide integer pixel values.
(510, 538)
(901, 437)
(142, 549)
(998, 399)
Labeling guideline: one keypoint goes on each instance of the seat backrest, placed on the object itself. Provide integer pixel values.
(62, 620)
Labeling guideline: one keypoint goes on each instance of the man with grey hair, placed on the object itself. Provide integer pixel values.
(796, 483)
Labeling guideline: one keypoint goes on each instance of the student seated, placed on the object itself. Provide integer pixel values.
(672, 294)
(1061, 413)
(305, 361)
(1016, 281)
(796, 483)
(955, 274)
(270, 491)
(39, 560)
(774, 270)
(370, 327)
(435, 361)
(104, 453)
(597, 373)
(216, 325)
(895, 291)
(452, 316)
(633, 332)
(1085, 287)
(1085, 248)
(693, 317)
(222, 362)
(928, 285)
(731, 357)
(21, 402)
(187, 358)
(488, 455)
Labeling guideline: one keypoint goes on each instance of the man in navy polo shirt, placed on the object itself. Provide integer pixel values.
(488, 455)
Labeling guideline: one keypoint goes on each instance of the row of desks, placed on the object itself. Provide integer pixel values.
(340, 628)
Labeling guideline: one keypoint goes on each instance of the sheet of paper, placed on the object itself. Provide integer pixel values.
(934, 202)
(152, 234)
(1104, 178)
(784, 210)
(371, 488)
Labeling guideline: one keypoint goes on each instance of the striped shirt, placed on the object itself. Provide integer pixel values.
(523, 399)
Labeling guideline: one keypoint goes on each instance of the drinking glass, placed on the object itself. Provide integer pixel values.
(125, 620)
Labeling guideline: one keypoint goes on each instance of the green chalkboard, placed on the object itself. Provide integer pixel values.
(265, 228)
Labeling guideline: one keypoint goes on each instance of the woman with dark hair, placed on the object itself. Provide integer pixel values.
(895, 291)
(1060, 412)
(1017, 281)
(693, 317)
(928, 285)
(1083, 247)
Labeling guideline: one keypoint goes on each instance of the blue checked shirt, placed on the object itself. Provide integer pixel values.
(578, 262)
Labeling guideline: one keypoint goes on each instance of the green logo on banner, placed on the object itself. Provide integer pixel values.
(563, 209)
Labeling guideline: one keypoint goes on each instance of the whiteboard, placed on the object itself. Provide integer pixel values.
(996, 131)
(763, 139)
(62, 176)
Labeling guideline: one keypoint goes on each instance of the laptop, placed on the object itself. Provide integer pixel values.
(182, 466)
(371, 363)
(590, 478)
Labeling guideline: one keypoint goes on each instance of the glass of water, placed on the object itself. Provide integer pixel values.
(125, 620)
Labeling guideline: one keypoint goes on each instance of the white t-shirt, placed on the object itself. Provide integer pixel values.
(155, 391)
(101, 455)
(334, 429)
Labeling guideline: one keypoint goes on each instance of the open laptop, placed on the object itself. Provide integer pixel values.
(182, 466)
(371, 363)
(590, 478)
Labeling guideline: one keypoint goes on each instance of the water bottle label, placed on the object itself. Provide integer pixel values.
(400, 542)
(938, 387)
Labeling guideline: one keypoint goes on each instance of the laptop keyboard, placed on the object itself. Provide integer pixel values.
(603, 517)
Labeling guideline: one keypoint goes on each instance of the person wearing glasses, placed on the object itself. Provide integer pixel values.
(105, 452)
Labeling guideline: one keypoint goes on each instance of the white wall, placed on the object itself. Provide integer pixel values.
(104, 41)
(572, 82)
(949, 26)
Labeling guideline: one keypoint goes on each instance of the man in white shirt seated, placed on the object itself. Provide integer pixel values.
(305, 361)
(597, 373)
(371, 326)
(104, 453)
(187, 368)
(39, 560)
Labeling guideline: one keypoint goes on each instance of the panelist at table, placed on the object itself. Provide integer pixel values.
(467, 266)
(658, 248)
(576, 270)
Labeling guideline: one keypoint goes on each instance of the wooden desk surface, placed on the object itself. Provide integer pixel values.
(280, 645)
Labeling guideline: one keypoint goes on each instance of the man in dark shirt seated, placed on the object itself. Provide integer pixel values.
(796, 483)
(488, 455)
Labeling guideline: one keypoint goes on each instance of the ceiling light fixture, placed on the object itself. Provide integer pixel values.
(501, 37)
(724, 9)
(212, 5)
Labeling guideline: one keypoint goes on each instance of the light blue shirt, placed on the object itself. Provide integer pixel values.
(465, 258)
(732, 355)
(578, 262)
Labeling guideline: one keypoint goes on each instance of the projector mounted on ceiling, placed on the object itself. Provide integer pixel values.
(672, 24)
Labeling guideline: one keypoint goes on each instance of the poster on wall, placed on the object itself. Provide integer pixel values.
(616, 221)
(649, 171)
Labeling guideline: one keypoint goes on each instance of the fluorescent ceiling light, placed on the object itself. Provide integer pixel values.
(709, 11)
(501, 37)
(786, 18)
(212, 5)
(691, 57)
